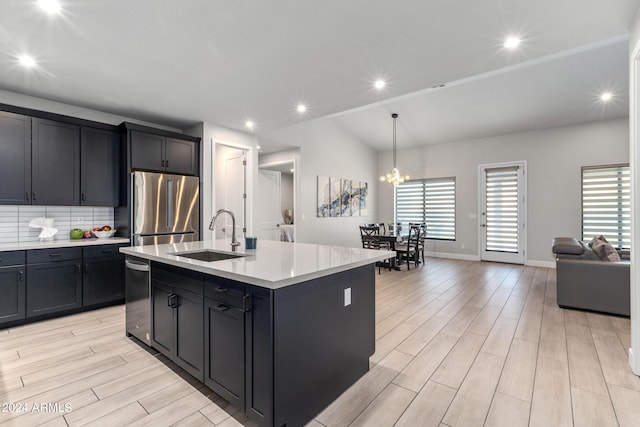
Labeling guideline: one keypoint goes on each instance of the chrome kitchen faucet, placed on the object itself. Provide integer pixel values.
(234, 242)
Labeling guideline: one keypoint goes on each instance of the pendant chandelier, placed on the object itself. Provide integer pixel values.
(394, 176)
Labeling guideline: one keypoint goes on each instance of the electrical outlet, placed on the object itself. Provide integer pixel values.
(347, 297)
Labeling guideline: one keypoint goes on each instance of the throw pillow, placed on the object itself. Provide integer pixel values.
(603, 249)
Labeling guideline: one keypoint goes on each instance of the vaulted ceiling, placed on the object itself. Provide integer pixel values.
(226, 62)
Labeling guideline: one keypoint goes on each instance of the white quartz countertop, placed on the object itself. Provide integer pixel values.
(272, 265)
(4, 247)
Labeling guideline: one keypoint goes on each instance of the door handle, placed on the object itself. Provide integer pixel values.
(55, 254)
(83, 197)
(33, 196)
(78, 269)
(222, 307)
(221, 289)
(245, 304)
(21, 274)
(27, 195)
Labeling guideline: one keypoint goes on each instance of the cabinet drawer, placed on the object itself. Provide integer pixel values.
(12, 258)
(101, 250)
(56, 254)
(179, 277)
(226, 291)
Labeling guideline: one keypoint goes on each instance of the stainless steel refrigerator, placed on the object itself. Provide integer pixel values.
(166, 208)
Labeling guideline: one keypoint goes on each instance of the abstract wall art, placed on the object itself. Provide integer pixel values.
(341, 197)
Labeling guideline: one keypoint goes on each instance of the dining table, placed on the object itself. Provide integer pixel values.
(391, 238)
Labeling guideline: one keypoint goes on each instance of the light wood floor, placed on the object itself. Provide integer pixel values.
(458, 344)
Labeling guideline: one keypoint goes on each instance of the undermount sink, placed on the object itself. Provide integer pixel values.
(207, 255)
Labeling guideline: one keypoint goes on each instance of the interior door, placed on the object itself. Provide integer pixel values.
(234, 199)
(268, 215)
(502, 213)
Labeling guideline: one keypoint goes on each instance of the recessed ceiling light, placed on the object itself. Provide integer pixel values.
(50, 6)
(512, 42)
(379, 84)
(301, 108)
(606, 96)
(249, 124)
(27, 61)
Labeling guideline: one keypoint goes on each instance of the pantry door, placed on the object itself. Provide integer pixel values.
(502, 212)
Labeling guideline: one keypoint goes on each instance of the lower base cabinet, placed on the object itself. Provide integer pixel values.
(54, 280)
(177, 318)
(103, 275)
(12, 291)
(42, 283)
(224, 351)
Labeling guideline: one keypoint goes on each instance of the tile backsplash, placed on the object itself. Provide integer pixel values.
(14, 220)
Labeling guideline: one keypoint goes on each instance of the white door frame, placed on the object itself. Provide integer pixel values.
(634, 161)
(523, 209)
(296, 175)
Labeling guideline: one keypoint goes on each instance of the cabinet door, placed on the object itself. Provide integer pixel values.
(12, 289)
(56, 163)
(100, 167)
(189, 350)
(15, 159)
(181, 156)
(162, 327)
(224, 342)
(53, 287)
(147, 151)
(103, 280)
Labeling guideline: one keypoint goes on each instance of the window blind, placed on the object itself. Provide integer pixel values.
(429, 201)
(502, 209)
(606, 204)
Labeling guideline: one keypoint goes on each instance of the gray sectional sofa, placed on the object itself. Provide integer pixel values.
(586, 282)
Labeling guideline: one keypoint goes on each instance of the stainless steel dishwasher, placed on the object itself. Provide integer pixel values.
(137, 299)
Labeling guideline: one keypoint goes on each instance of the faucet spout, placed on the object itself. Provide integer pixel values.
(234, 242)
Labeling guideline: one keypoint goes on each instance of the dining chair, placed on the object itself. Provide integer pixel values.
(409, 250)
(368, 235)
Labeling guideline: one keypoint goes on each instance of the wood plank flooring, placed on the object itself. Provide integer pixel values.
(458, 343)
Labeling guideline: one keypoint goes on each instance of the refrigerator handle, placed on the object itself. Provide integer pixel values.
(170, 204)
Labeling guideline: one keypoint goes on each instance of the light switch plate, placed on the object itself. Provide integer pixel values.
(347, 297)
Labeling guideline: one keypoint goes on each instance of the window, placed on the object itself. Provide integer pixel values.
(429, 201)
(606, 204)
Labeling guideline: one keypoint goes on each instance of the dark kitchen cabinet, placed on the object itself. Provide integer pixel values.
(55, 163)
(177, 317)
(12, 286)
(54, 280)
(163, 154)
(15, 159)
(224, 355)
(99, 167)
(103, 275)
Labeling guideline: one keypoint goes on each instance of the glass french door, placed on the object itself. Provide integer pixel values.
(502, 213)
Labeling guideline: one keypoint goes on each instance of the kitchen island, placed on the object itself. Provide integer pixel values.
(280, 332)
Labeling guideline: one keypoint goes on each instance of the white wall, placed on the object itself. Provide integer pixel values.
(554, 160)
(328, 151)
(25, 101)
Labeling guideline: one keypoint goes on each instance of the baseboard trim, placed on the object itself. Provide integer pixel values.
(464, 257)
(545, 264)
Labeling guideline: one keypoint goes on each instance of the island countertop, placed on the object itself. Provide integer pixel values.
(272, 265)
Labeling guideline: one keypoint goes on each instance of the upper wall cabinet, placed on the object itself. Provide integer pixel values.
(15, 159)
(163, 153)
(56, 163)
(99, 167)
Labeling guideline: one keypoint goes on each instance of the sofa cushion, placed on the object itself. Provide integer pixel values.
(603, 249)
(588, 252)
(567, 245)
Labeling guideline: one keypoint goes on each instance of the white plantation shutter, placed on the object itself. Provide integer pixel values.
(429, 201)
(606, 204)
(502, 209)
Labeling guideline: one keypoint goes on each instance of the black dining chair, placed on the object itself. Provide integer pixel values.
(368, 235)
(411, 247)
